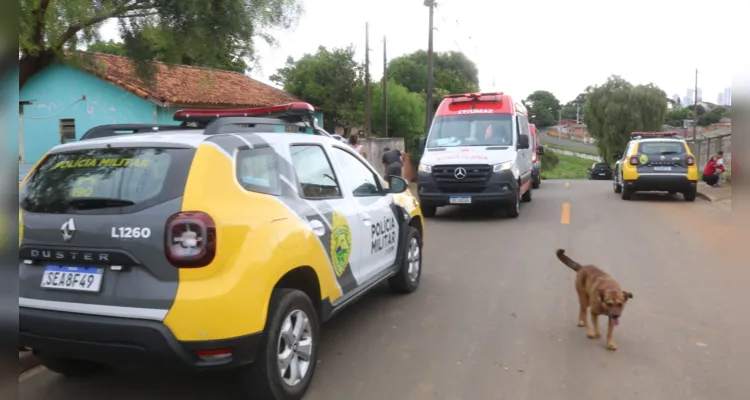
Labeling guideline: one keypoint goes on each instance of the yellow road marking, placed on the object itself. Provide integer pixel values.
(566, 184)
(565, 217)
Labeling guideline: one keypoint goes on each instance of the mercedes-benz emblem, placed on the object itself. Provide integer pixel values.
(68, 229)
(459, 173)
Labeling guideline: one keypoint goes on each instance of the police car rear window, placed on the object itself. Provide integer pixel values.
(108, 180)
(661, 148)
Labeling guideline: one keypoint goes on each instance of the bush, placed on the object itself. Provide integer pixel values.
(549, 160)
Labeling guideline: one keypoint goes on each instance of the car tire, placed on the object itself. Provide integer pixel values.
(526, 198)
(690, 195)
(264, 378)
(536, 183)
(69, 367)
(410, 272)
(626, 192)
(429, 211)
(513, 210)
(616, 186)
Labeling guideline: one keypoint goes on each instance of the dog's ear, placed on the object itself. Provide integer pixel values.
(627, 295)
(600, 294)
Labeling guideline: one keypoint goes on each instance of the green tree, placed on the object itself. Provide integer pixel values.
(202, 30)
(330, 79)
(543, 107)
(108, 47)
(406, 111)
(453, 72)
(617, 108)
(676, 117)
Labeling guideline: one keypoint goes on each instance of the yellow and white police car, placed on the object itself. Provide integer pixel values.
(223, 243)
(656, 161)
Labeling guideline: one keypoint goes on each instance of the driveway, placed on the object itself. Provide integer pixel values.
(495, 316)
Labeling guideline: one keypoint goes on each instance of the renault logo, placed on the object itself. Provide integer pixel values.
(459, 173)
(663, 158)
(68, 229)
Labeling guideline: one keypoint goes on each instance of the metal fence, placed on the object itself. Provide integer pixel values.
(704, 148)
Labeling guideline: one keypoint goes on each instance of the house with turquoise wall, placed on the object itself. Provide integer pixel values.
(62, 102)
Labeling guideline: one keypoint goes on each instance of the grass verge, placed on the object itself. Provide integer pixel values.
(567, 167)
(571, 148)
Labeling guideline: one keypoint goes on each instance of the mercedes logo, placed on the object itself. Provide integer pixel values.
(68, 229)
(459, 173)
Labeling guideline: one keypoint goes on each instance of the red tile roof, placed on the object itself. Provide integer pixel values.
(183, 85)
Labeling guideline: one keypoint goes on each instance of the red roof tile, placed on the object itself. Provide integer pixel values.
(183, 85)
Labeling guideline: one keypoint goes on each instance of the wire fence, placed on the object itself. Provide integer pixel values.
(706, 147)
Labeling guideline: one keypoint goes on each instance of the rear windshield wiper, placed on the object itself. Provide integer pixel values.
(664, 153)
(91, 203)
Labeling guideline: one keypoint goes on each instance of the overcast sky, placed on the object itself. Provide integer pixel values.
(525, 45)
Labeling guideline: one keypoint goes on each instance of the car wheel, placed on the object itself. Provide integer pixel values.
(410, 271)
(429, 211)
(289, 353)
(526, 198)
(626, 192)
(616, 186)
(69, 367)
(513, 210)
(690, 195)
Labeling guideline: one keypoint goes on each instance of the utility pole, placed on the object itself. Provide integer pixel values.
(385, 89)
(368, 115)
(428, 120)
(578, 112)
(695, 108)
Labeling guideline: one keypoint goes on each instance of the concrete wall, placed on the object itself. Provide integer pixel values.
(61, 92)
(374, 148)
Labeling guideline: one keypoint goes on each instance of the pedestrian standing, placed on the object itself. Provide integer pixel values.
(392, 161)
(354, 142)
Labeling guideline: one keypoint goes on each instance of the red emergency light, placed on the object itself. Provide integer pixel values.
(472, 95)
(297, 109)
(667, 134)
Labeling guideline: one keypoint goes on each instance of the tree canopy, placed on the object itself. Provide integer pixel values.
(406, 111)
(543, 107)
(453, 72)
(330, 79)
(197, 30)
(617, 108)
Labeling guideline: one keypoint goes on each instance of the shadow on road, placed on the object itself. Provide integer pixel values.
(658, 197)
(129, 384)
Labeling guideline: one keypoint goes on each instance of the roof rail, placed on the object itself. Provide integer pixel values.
(259, 124)
(127, 129)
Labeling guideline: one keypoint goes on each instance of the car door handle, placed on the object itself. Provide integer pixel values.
(366, 219)
(317, 227)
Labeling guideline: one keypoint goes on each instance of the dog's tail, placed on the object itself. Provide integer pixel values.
(567, 261)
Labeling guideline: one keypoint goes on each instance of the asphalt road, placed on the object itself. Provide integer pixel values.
(545, 138)
(495, 316)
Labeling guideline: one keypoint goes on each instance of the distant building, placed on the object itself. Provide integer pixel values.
(727, 97)
(63, 102)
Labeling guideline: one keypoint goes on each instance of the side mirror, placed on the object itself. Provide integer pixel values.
(422, 143)
(540, 150)
(523, 142)
(397, 184)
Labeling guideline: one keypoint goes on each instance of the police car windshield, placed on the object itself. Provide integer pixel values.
(471, 130)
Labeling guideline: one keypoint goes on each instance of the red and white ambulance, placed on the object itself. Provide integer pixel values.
(478, 151)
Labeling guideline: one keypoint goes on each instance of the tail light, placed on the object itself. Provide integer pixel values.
(214, 355)
(690, 160)
(190, 240)
(633, 160)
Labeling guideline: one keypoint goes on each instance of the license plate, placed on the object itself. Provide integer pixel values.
(82, 279)
(662, 169)
(460, 200)
(602, 174)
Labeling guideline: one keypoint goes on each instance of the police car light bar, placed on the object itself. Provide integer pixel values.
(668, 134)
(298, 110)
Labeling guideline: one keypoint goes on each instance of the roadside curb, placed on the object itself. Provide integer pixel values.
(27, 361)
(707, 197)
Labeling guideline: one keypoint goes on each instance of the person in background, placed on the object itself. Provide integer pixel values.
(720, 165)
(711, 172)
(392, 161)
(354, 142)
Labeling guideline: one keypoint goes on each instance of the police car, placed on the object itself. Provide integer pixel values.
(221, 244)
(656, 161)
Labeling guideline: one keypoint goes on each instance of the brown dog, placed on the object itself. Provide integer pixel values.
(601, 294)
